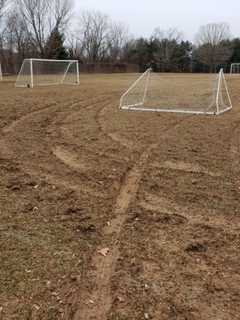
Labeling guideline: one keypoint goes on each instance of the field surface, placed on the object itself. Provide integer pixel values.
(116, 215)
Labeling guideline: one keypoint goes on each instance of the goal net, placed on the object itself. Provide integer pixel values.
(181, 93)
(42, 72)
(1, 75)
(235, 68)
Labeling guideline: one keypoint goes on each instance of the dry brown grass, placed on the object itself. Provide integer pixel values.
(69, 160)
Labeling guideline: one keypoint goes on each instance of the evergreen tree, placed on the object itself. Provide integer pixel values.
(182, 57)
(54, 48)
(236, 50)
(138, 51)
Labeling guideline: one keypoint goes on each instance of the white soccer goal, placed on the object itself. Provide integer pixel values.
(180, 93)
(1, 75)
(235, 68)
(44, 72)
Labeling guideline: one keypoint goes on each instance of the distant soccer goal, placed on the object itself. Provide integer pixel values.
(1, 75)
(43, 72)
(235, 68)
(179, 93)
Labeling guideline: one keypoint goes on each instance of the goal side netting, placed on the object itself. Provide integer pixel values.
(235, 68)
(42, 72)
(1, 75)
(180, 93)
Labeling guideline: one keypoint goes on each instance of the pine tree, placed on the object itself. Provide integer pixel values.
(235, 50)
(54, 48)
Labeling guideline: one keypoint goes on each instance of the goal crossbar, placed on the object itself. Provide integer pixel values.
(51, 60)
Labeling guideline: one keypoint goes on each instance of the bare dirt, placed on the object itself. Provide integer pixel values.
(115, 215)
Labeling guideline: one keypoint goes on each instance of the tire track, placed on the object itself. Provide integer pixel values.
(73, 118)
(235, 149)
(105, 266)
(113, 136)
(96, 303)
(12, 126)
(70, 159)
(51, 178)
(187, 167)
(212, 218)
(9, 128)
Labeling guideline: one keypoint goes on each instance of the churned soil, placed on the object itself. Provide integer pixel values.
(116, 215)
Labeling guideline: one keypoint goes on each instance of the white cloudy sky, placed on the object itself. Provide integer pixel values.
(142, 16)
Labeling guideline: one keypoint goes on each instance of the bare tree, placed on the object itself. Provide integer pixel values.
(93, 35)
(213, 34)
(74, 46)
(62, 10)
(99, 38)
(7, 50)
(118, 36)
(165, 42)
(17, 27)
(35, 14)
(3, 6)
(212, 44)
(172, 34)
(43, 16)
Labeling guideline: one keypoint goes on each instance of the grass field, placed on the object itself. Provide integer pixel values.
(116, 215)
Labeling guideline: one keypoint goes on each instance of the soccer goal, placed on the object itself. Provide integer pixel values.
(43, 72)
(180, 93)
(1, 75)
(235, 68)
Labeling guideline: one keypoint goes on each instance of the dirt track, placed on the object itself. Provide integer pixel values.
(160, 191)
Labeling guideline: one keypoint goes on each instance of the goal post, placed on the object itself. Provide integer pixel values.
(1, 74)
(178, 93)
(46, 72)
(235, 68)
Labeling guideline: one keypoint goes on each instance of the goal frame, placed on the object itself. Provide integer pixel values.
(31, 85)
(1, 74)
(232, 67)
(140, 106)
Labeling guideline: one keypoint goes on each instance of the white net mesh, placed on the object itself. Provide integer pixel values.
(186, 93)
(1, 75)
(36, 72)
(235, 68)
(72, 74)
(24, 76)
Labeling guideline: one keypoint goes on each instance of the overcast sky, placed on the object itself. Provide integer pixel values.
(143, 16)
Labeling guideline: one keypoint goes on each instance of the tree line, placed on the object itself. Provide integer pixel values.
(50, 29)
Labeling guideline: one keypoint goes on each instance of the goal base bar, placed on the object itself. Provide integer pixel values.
(47, 85)
(138, 108)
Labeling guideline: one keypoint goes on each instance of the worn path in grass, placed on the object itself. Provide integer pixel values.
(96, 303)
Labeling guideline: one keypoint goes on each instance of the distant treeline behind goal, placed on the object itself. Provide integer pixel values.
(43, 29)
